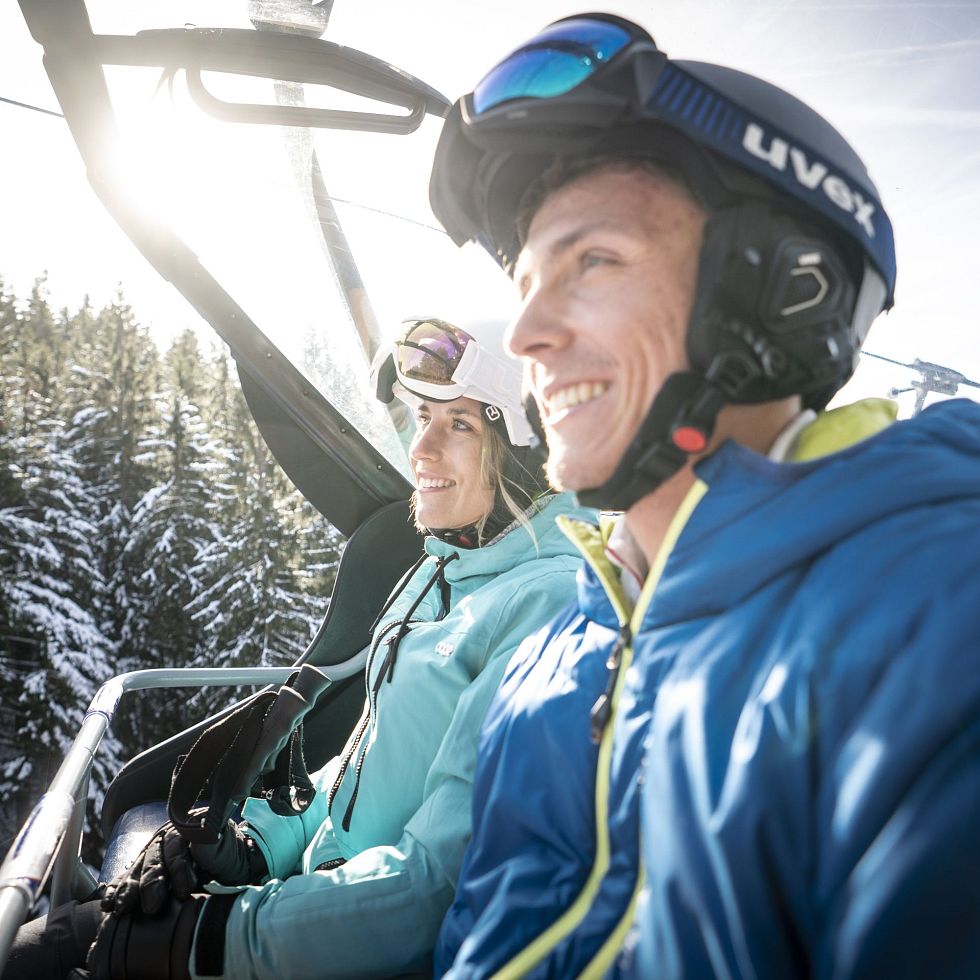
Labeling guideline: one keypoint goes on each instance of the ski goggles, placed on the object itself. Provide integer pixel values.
(567, 56)
(428, 356)
(560, 58)
(436, 360)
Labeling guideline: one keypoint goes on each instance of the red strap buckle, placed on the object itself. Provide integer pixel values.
(689, 439)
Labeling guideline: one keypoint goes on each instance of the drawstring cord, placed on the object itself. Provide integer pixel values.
(387, 669)
(445, 594)
(399, 589)
(355, 740)
(388, 666)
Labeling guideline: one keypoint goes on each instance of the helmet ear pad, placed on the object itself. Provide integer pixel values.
(774, 308)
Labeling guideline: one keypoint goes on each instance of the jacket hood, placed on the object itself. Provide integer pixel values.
(515, 546)
(729, 547)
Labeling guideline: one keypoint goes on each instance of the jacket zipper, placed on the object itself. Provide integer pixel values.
(387, 670)
(602, 709)
(372, 693)
(542, 946)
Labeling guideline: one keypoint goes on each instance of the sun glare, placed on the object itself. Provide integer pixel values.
(275, 214)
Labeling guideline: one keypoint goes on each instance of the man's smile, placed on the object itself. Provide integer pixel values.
(558, 401)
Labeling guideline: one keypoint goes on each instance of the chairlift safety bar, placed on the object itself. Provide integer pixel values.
(52, 833)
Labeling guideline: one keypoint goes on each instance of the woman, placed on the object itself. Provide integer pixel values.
(386, 836)
(359, 883)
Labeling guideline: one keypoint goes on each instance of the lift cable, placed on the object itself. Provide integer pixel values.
(36, 108)
(339, 200)
(389, 214)
(931, 372)
(933, 379)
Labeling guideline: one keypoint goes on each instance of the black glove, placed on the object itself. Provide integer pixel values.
(141, 947)
(158, 947)
(169, 866)
(233, 860)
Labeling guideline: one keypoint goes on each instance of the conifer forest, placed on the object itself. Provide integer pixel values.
(143, 523)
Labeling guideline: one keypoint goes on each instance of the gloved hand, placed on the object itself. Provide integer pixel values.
(233, 860)
(140, 947)
(169, 866)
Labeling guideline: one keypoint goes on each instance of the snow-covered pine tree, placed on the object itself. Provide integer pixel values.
(142, 522)
(114, 377)
(260, 605)
(52, 585)
(172, 525)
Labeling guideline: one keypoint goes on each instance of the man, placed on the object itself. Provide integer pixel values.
(752, 747)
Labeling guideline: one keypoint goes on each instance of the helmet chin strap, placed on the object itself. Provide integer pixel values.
(678, 425)
(458, 537)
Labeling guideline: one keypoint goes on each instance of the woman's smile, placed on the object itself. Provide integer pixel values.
(447, 455)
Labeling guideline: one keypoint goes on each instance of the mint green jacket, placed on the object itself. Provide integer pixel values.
(378, 913)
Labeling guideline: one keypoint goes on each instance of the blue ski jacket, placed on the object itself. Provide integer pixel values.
(362, 879)
(770, 767)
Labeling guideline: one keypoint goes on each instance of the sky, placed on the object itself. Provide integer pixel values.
(901, 80)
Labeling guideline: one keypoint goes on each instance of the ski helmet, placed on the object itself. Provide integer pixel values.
(797, 256)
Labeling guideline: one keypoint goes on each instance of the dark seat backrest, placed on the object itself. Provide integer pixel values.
(379, 552)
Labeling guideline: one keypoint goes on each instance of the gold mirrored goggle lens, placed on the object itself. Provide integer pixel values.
(430, 351)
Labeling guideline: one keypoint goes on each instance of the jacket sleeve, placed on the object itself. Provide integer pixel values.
(282, 840)
(906, 792)
(845, 845)
(379, 914)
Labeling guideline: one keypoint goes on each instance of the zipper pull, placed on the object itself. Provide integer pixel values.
(387, 665)
(602, 709)
(599, 716)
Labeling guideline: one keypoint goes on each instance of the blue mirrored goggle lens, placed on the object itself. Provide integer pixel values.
(553, 63)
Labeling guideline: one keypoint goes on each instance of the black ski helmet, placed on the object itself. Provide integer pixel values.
(798, 255)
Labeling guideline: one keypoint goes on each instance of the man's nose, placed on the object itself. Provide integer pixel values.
(538, 327)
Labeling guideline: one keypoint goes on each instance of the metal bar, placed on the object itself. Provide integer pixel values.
(268, 54)
(68, 857)
(14, 906)
(28, 862)
(84, 882)
(279, 115)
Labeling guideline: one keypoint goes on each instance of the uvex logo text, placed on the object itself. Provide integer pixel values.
(810, 175)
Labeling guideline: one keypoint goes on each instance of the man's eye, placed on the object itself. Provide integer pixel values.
(591, 259)
(461, 426)
(421, 420)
